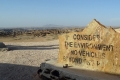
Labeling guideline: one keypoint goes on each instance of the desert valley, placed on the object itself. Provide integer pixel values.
(28, 48)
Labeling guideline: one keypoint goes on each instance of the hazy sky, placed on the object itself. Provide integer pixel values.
(35, 13)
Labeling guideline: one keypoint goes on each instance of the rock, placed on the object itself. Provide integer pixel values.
(95, 48)
(3, 47)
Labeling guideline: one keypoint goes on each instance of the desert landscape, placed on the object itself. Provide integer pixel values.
(27, 50)
(35, 32)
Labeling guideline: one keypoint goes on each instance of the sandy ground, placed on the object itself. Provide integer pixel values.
(24, 38)
(24, 58)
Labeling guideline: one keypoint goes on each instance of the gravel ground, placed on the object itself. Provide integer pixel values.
(24, 58)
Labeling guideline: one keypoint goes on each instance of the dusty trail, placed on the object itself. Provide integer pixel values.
(24, 58)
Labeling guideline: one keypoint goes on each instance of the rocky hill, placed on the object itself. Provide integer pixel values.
(35, 32)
